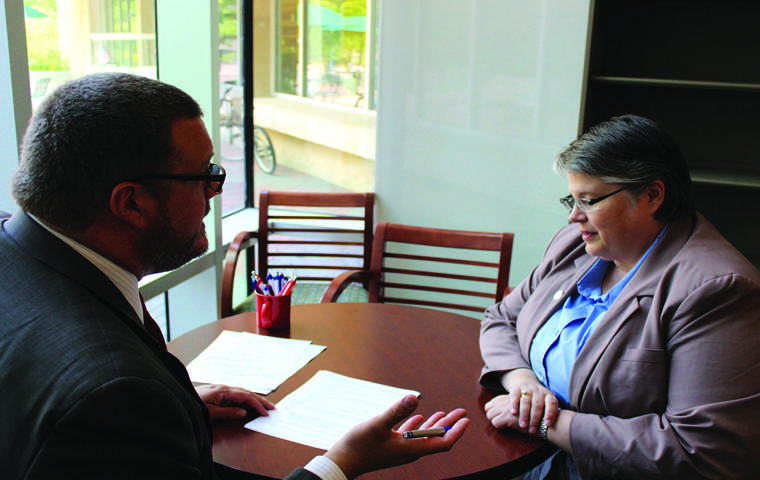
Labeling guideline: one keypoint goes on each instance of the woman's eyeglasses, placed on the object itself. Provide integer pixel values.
(585, 205)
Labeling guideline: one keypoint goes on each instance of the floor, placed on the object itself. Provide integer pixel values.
(283, 178)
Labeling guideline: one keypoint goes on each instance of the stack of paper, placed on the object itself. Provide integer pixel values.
(323, 409)
(255, 362)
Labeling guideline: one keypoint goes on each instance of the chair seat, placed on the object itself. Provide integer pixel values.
(310, 292)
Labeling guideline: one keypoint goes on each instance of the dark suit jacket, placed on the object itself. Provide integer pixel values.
(86, 391)
(668, 383)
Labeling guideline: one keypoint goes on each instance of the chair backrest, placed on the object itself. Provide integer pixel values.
(314, 235)
(451, 269)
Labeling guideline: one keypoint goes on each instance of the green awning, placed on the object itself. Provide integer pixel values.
(29, 12)
(331, 21)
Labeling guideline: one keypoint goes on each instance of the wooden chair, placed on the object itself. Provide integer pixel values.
(451, 269)
(313, 235)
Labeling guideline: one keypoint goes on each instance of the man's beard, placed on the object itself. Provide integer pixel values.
(165, 249)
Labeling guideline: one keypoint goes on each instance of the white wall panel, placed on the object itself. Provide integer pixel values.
(476, 97)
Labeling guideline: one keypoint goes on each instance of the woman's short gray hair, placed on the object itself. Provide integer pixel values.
(633, 151)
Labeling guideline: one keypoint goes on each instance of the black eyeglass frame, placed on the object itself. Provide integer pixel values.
(216, 174)
(584, 205)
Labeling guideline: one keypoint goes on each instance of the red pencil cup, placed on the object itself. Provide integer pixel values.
(273, 311)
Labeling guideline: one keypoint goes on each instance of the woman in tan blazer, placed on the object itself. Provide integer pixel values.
(632, 346)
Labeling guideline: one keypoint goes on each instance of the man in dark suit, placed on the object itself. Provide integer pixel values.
(114, 182)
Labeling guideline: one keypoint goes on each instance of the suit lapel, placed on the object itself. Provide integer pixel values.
(45, 247)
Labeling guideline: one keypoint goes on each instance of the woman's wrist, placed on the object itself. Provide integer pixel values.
(559, 432)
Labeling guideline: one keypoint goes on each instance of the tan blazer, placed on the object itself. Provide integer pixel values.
(668, 384)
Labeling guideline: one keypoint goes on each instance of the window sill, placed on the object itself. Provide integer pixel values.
(347, 129)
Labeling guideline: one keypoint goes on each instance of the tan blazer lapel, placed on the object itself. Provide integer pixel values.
(591, 356)
(550, 296)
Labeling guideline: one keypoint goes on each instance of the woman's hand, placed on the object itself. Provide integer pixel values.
(226, 403)
(527, 404)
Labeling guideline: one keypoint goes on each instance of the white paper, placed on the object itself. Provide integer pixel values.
(255, 362)
(323, 409)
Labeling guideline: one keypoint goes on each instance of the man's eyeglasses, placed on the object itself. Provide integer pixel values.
(215, 177)
(585, 205)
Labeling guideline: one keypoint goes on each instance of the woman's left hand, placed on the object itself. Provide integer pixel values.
(524, 409)
(225, 402)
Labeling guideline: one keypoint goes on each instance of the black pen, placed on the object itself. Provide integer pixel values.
(428, 432)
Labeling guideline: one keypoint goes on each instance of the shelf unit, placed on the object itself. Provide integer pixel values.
(694, 67)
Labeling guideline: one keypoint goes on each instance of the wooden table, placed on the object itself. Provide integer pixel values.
(433, 352)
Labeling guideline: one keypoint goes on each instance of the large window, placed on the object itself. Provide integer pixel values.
(314, 64)
(69, 38)
(332, 58)
(313, 121)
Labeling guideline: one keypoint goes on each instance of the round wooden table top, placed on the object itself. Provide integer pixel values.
(433, 352)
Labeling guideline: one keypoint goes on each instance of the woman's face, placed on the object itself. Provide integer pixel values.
(619, 228)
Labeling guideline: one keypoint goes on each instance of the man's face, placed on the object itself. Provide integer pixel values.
(178, 235)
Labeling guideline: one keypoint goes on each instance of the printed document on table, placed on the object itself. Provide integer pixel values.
(255, 362)
(323, 409)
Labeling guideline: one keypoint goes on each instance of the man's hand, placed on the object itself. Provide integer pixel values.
(374, 444)
(226, 403)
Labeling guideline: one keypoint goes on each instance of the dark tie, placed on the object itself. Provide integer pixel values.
(151, 326)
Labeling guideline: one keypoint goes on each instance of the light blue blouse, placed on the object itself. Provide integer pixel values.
(561, 338)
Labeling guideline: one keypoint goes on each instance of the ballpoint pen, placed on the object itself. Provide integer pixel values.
(255, 280)
(288, 286)
(428, 432)
(280, 277)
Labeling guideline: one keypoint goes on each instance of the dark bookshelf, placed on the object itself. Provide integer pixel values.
(693, 67)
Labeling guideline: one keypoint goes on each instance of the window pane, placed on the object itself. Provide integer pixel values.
(319, 145)
(231, 139)
(336, 51)
(70, 38)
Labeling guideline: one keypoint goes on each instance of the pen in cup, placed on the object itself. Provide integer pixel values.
(276, 285)
(288, 286)
(256, 281)
(428, 432)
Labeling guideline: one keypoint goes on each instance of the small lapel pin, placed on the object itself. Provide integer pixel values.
(558, 294)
